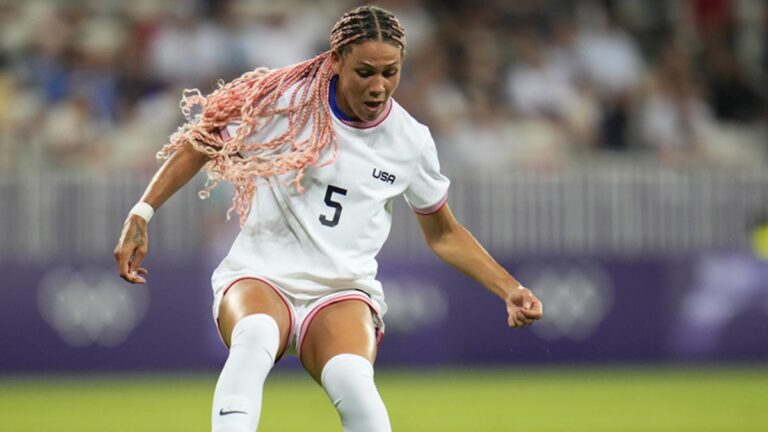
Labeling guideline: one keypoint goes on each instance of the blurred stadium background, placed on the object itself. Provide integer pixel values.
(611, 154)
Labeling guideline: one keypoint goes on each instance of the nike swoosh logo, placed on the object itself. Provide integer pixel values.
(223, 413)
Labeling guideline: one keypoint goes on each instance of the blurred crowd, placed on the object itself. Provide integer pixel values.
(95, 85)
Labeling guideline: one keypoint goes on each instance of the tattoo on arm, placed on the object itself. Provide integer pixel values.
(138, 235)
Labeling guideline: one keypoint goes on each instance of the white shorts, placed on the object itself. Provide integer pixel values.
(303, 311)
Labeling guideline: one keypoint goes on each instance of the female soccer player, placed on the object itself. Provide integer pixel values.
(329, 149)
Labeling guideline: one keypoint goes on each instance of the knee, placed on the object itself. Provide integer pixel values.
(256, 332)
(348, 381)
(347, 374)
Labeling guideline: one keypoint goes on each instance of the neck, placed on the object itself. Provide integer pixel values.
(339, 103)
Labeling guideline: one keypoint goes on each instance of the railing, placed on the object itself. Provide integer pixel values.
(56, 217)
(608, 209)
(603, 209)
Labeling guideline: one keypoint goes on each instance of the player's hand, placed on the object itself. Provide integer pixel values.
(131, 249)
(523, 308)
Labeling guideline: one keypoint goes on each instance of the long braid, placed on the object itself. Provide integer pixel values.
(252, 99)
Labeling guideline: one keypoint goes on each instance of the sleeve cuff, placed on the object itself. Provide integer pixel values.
(425, 211)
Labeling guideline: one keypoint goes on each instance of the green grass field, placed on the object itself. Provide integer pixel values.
(527, 400)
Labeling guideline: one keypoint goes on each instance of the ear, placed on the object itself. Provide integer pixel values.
(335, 62)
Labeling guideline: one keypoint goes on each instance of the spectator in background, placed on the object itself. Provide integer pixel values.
(6, 91)
(536, 86)
(97, 42)
(674, 117)
(136, 81)
(432, 95)
(714, 20)
(419, 22)
(765, 46)
(479, 54)
(480, 137)
(46, 46)
(37, 44)
(611, 63)
(562, 53)
(733, 97)
(77, 71)
(148, 108)
(275, 34)
(188, 50)
(70, 137)
(541, 89)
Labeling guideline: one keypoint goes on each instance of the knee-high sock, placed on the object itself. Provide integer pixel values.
(348, 381)
(237, 398)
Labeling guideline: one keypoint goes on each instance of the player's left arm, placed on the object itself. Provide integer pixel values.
(455, 245)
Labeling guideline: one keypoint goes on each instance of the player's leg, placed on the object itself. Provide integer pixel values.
(255, 322)
(338, 351)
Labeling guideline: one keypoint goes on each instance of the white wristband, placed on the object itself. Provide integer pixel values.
(143, 210)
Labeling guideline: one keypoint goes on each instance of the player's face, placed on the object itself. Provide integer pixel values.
(368, 75)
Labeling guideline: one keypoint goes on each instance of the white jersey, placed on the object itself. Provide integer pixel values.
(326, 239)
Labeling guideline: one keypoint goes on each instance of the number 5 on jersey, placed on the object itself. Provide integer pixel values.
(335, 205)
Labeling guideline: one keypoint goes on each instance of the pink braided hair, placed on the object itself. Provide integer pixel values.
(251, 100)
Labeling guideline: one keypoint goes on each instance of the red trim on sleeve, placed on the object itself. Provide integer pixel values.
(433, 208)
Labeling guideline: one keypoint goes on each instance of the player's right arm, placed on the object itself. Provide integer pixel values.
(133, 243)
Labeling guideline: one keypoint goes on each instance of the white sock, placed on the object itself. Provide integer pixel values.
(237, 398)
(348, 381)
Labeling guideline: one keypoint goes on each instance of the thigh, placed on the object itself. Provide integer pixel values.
(252, 296)
(345, 327)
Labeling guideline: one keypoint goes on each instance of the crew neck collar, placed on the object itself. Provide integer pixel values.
(350, 121)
